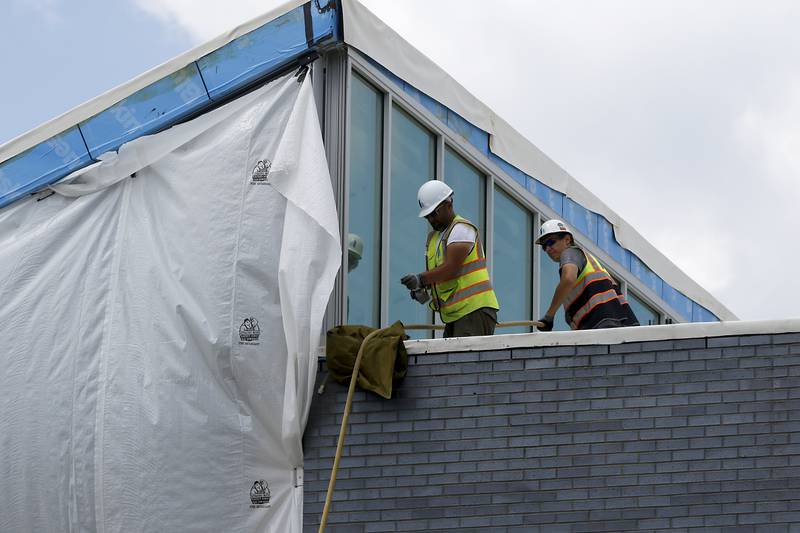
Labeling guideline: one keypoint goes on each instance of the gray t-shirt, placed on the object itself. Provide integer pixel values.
(573, 255)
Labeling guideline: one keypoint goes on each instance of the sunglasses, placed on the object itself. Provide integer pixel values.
(548, 243)
(434, 212)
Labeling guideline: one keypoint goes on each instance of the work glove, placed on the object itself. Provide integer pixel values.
(420, 295)
(547, 320)
(411, 281)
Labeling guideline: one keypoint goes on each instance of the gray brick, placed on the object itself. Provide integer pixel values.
(689, 344)
(673, 355)
(527, 353)
(539, 363)
(706, 353)
(559, 351)
(463, 357)
(718, 342)
(754, 340)
(494, 355)
(689, 366)
(606, 360)
(592, 350)
(628, 347)
(786, 338)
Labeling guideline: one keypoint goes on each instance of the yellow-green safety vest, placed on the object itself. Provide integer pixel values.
(471, 289)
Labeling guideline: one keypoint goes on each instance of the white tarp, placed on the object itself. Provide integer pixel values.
(158, 333)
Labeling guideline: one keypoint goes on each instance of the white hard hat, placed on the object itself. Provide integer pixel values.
(431, 194)
(355, 245)
(551, 227)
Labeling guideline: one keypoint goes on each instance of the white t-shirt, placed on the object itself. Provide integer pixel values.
(462, 233)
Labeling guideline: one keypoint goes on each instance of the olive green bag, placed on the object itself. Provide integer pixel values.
(385, 360)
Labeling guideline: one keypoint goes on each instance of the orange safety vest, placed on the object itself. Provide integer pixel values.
(595, 297)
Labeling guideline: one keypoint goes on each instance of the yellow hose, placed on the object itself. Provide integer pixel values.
(343, 430)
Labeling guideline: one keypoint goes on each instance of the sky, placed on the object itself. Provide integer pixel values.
(682, 116)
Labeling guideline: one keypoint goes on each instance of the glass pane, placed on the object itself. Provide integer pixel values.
(549, 280)
(413, 163)
(469, 187)
(647, 315)
(366, 148)
(511, 263)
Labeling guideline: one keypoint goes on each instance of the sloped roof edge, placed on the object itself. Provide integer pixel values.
(366, 32)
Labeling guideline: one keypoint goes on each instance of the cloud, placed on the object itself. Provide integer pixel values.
(769, 131)
(46, 10)
(204, 19)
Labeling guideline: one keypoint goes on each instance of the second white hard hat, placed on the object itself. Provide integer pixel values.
(355, 245)
(430, 195)
(552, 227)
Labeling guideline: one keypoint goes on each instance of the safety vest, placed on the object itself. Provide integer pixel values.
(470, 289)
(595, 297)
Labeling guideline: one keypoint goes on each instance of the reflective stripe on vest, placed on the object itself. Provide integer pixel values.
(593, 287)
(471, 289)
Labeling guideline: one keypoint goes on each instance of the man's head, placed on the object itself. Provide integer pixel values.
(555, 237)
(436, 204)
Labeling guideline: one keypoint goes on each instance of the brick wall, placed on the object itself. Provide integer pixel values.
(699, 434)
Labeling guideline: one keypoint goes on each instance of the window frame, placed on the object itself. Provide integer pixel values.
(445, 137)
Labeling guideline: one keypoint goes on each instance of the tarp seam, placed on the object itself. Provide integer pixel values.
(108, 323)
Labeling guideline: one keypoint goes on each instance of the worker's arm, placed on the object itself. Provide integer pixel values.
(454, 259)
(569, 273)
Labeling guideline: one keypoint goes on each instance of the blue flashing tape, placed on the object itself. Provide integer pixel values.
(551, 197)
(581, 219)
(148, 110)
(254, 55)
(470, 133)
(608, 243)
(647, 276)
(45, 163)
(678, 301)
(701, 314)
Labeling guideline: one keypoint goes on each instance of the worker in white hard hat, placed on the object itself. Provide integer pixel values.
(455, 268)
(589, 295)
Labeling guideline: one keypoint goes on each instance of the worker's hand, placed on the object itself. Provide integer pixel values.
(420, 295)
(547, 320)
(411, 281)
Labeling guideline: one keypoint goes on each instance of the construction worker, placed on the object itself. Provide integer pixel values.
(590, 296)
(455, 268)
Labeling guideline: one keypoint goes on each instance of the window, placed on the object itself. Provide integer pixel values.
(469, 187)
(549, 278)
(647, 315)
(512, 272)
(366, 154)
(413, 163)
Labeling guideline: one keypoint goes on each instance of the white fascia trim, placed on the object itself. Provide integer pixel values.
(603, 336)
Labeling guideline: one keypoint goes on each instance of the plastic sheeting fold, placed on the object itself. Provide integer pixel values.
(159, 331)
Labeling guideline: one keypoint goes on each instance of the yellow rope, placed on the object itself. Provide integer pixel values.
(528, 323)
(343, 430)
